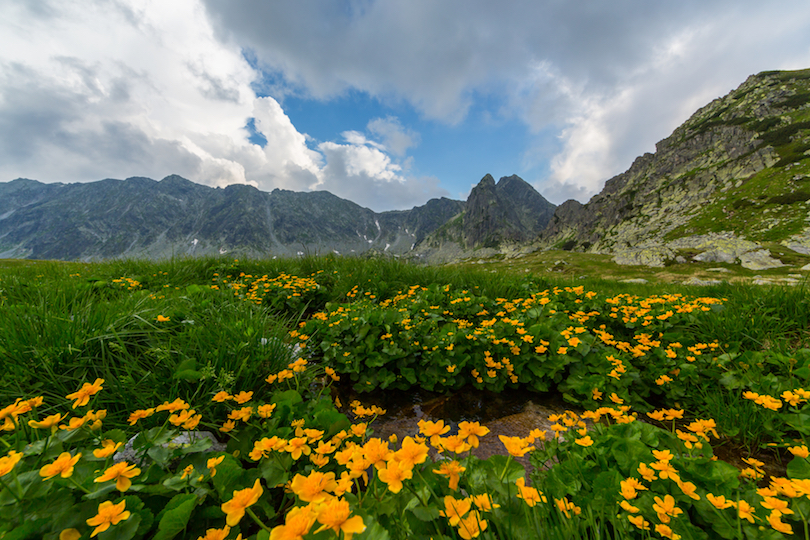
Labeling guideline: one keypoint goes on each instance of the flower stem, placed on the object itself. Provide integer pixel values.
(505, 467)
(258, 521)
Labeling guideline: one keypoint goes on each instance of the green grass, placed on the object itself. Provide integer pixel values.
(189, 328)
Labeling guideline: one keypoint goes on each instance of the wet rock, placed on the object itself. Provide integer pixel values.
(759, 260)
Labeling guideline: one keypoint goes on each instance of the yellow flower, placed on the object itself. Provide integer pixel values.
(452, 470)
(799, 451)
(484, 502)
(530, 495)
(629, 507)
(266, 410)
(187, 471)
(70, 534)
(161, 318)
(51, 422)
(243, 397)
(108, 514)
(516, 446)
(314, 488)
(335, 515)
(82, 395)
(471, 526)
(639, 522)
(121, 472)
(775, 521)
(432, 430)
(140, 414)
(666, 508)
(176, 405)
(666, 531)
(63, 466)
(394, 473)
(234, 509)
(746, 511)
(630, 488)
(297, 523)
(212, 464)
(215, 534)
(719, 501)
(471, 431)
(108, 448)
(454, 509)
(221, 397)
(565, 505)
(584, 441)
(8, 462)
(411, 453)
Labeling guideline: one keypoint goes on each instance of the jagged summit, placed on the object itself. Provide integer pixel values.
(507, 213)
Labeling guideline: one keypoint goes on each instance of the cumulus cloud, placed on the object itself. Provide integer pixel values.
(113, 88)
(396, 138)
(160, 94)
(360, 170)
(612, 79)
(102, 89)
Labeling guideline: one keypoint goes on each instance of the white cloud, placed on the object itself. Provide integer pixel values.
(158, 94)
(395, 137)
(611, 78)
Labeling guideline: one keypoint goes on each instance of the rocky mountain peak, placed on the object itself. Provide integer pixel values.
(737, 164)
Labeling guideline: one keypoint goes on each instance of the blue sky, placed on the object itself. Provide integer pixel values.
(386, 103)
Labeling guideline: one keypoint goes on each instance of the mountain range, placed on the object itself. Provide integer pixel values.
(731, 184)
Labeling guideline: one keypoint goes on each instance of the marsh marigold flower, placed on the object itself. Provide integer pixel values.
(471, 526)
(455, 509)
(315, 487)
(70, 534)
(108, 514)
(215, 534)
(108, 448)
(452, 470)
(516, 446)
(83, 394)
(51, 422)
(297, 523)
(234, 509)
(335, 515)
(62, 466)
(121, 472)
(8, 462)
(394, 473)
(471, 431)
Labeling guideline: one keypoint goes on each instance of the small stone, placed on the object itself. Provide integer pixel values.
(702, 282)
(639, 281)
(721, 270)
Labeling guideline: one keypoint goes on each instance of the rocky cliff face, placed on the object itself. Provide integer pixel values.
(507, 213)
(140, 217)
(733, 162)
